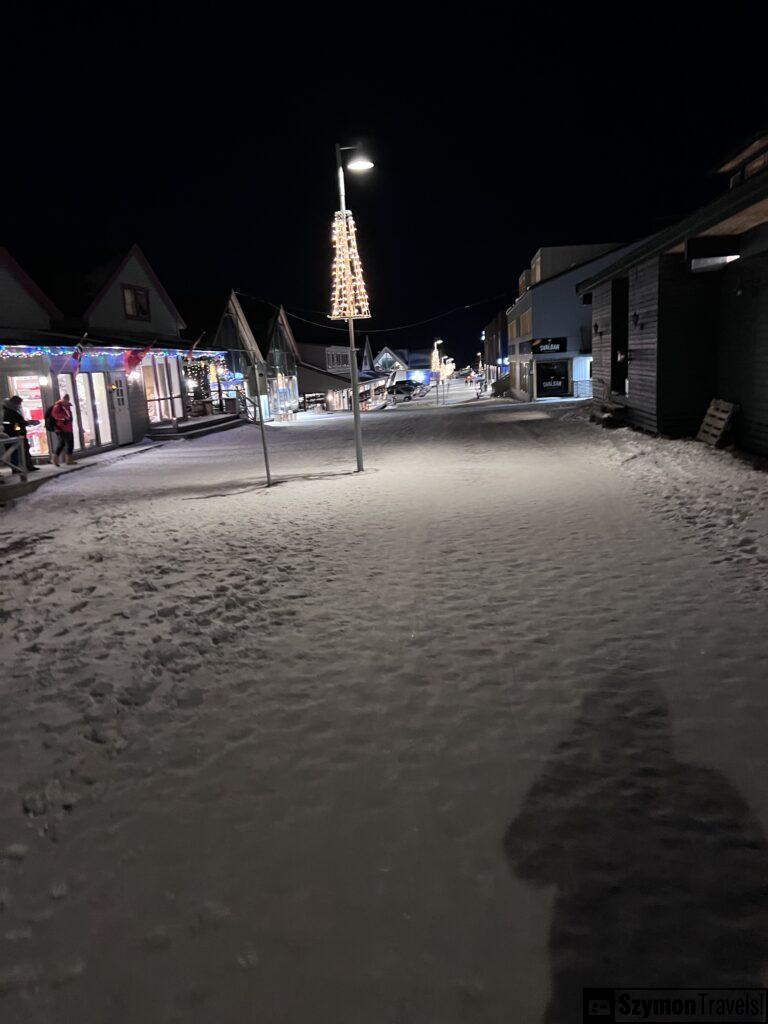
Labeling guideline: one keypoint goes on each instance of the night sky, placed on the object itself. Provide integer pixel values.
(208, 138)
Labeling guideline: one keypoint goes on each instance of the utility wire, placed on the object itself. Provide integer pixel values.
(379, 330)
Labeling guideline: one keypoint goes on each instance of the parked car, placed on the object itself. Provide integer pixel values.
(402, 389)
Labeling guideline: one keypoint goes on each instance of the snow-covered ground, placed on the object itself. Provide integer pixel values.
(441, 742)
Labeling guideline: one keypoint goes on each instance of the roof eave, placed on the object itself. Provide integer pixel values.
(701, 220)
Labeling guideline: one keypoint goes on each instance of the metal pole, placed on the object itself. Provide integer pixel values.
(261, 427)
(355, 396)
(351, 324)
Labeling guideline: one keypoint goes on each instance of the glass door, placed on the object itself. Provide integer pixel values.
(28, 389)
(101, 405)
(85, 405)
(66, 385)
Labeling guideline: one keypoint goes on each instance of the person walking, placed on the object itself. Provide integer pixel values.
(14, 425)
(61, 414)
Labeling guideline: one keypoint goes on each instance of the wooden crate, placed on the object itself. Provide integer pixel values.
(717, 422)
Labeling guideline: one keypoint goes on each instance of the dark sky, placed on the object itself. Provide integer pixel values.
(208, 138)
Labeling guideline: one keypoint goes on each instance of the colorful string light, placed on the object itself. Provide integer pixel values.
(30, 351)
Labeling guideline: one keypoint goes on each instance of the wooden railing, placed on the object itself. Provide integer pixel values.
(7, 447)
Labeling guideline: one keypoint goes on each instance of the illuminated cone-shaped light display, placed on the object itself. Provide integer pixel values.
(349, 299)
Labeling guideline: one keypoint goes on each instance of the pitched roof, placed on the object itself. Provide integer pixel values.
(113, 274)
(29, 286)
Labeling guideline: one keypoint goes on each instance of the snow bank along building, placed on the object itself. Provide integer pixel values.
(683, 317)
(548, 329)
(325, 377)
(119, 355)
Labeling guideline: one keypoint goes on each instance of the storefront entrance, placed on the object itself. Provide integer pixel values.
(91, 421)
(120, 408)
(552, 379)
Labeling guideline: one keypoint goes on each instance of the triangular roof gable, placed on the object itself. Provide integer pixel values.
(394, 355)
(263, 318)
(233, 313)
(366, 356)
(282, 319)
(34, 291)
(135, 253)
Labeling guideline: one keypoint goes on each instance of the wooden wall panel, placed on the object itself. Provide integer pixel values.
(643, 344)
(742, 349)
(601, 342)
(687, 303)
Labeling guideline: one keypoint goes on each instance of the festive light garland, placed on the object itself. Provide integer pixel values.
(349, 298)
(30, 351)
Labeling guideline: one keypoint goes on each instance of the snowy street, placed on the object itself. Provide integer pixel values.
(439, 743)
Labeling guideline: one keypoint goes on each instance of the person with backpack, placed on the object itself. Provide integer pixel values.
(14, 425)
(60, 418)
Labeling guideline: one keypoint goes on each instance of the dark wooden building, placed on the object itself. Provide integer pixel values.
(683, 317)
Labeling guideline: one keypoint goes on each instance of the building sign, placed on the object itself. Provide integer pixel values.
(550, 345)
(552, 379)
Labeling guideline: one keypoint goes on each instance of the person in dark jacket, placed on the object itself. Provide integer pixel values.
(14, 425)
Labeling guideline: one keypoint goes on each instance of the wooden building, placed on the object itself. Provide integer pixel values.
(116, 349)
(683, 317)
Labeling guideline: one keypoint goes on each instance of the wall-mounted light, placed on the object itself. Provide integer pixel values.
(595, 328)
(635, 319)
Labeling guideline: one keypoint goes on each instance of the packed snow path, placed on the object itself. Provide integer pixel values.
(441, 742)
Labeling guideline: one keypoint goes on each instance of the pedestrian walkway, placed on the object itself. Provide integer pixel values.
(438, 742)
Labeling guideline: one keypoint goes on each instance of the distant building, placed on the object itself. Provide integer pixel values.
(403, 363)
(325, 380)
(683, 317)
(548, 327)
(495, 351)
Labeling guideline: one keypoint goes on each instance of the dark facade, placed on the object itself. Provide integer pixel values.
(495, 350)
(683, 318)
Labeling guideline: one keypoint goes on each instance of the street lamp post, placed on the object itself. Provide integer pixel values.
(360, 163)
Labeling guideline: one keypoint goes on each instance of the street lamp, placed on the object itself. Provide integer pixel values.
(350, 300)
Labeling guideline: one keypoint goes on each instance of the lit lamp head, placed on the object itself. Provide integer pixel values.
(359, 159)
(359, 162)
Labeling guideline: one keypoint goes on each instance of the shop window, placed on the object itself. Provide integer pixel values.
(175, 383)
(28, 389)
(154, 399)
(135, 302)
(552, 379)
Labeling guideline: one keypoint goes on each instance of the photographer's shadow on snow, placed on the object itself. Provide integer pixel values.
(660, 866)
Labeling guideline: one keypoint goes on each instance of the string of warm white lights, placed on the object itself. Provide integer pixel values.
(349, 298)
